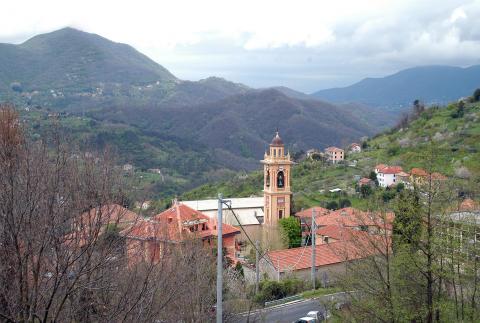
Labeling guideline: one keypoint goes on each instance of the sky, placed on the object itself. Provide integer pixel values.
(306, 45)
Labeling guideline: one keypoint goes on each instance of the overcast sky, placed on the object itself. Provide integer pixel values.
(305, 45)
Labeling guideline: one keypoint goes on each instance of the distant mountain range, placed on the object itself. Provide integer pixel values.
(110, 94)
(430, 84)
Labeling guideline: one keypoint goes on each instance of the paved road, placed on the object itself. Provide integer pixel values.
(286, 313)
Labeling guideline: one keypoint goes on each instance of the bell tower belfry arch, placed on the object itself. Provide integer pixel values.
(276, 185)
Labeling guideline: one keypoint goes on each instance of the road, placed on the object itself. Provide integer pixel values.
(285, 313)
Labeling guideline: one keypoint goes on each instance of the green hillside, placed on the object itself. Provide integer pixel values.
(441, 139)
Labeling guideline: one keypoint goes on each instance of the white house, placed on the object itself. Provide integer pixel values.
(355, 148)
(387, 175)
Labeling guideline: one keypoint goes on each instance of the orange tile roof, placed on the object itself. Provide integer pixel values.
(319, 211)
(326, 254)
(365, 181)
(175, 225)
(419, 172)
(107, 214)
(391, 170)
(380, 166)
(341, 233)
(350, 217)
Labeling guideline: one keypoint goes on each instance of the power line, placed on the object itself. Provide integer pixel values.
(248, 237)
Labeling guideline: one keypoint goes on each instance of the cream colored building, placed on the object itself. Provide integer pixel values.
(276, 187)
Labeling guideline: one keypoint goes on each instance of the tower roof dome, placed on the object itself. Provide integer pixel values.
(277, 141)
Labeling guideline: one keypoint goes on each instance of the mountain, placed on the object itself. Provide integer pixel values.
(73, 69)
(440, 139)
(430, 84)
(104, 93)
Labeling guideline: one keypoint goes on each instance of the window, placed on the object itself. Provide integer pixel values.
(267, 179)
(280, 179)
(280, 214)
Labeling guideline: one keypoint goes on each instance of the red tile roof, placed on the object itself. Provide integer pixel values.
(365, 181)
(380, 167)
(319, 211)
(419, 172)
(325, 254)
(176, 224)
(107, 214)
(390, 170)
(350, 217)
(341, 233)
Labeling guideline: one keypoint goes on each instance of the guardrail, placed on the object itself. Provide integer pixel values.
(283, 300)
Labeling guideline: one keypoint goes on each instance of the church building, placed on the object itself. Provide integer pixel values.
(276, 187)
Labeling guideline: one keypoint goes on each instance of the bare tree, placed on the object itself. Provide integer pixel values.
(61, 261)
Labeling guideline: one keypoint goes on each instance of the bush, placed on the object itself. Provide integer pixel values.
(270, 290)
(393, 150)
(345, 203)
(388, 195)
(292, 231)
(476, 95)
(366, 191)
(332, 205)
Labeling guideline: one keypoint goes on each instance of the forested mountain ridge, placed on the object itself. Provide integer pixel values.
(444, 139)
(106, 94)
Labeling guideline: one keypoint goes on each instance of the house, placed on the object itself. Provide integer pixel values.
(149, 239)
(355, 148)
(128, 167)
(404, 178)
(331, 258)
(387, 175)
(94, 222)
(349, 218)
(365, 181)
(334, 154)
(420, 177)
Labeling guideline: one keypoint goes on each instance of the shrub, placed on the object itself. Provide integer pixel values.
(393, 150)
(332, 205)
(476, 95)
(270, 290)
(366, 191)
(345, 203)
(292, 231)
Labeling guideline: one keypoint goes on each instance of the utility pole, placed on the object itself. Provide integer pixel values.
(219, 259)
(313, 229)
(257, 264)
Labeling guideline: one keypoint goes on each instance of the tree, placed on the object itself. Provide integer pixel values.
(62, 258)
(407, 226)
(366, 191)
(476, 95)
(345, 203)
(373, 177)
(292, 231)
(332, 205)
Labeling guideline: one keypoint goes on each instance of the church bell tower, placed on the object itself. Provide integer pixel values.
(276, 186)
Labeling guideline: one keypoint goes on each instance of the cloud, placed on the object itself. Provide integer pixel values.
(305, 44)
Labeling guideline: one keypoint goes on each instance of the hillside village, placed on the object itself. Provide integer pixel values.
(343, 231)
(130, 195)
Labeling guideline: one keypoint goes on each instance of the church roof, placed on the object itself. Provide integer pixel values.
(277, 141)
